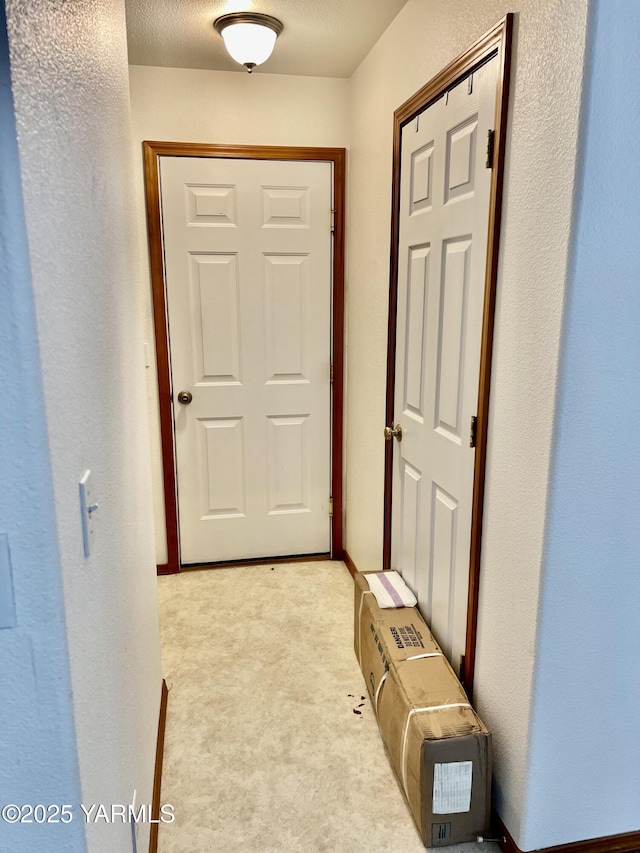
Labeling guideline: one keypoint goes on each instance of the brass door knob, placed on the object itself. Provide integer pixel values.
(185, 397)
(390, 432)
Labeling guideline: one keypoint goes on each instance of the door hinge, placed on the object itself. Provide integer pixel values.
(473, 431)
(330, 371)
(331, 507)
(332, 220)
(491, 135)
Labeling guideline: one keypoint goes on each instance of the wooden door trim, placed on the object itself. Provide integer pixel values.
(497, 42)
(337, 156)
(628, 842)
(157, 773)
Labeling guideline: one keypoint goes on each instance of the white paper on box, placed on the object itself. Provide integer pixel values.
(452, 787)
(390, 590)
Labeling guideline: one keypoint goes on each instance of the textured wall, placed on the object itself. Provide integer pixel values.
(37, 741)
(584, 773)
(183, 105)
(69, 69)
(547, 79)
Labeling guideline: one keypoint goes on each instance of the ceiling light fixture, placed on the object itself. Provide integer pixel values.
(249, 37)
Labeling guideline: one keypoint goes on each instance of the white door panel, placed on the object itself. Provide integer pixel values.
(248, 276)
(443, 225)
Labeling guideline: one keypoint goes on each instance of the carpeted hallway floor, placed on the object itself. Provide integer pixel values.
(264, 752)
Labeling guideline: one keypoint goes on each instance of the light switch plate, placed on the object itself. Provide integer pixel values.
(87, 508)
(134, 823)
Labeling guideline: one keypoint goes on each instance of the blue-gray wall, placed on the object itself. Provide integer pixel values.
(584, 753)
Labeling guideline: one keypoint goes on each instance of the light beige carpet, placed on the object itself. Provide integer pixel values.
(263, 749)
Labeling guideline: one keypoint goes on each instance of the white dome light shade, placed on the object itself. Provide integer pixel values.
(249, 38)
(249, 43)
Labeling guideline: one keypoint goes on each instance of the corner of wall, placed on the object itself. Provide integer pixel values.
(69, 77)
(582, 778)
(37, 730)
(536, 221)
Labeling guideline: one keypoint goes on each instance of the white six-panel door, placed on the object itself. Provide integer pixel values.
(444, 211)
(247, 248)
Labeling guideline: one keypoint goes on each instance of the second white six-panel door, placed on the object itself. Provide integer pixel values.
(247, 248)
(444, 214)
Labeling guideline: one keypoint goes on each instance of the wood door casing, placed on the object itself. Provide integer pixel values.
(152, 150)
(496, 42)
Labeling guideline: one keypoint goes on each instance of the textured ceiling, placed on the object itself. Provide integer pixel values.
(321, 38)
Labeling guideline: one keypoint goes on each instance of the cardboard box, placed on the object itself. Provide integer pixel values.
(437, 745)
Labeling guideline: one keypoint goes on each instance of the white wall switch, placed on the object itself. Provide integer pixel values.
(7, 600)
(87, 508)
(134, 824)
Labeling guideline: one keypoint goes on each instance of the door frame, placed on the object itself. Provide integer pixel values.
(496, 42)
(337, 156)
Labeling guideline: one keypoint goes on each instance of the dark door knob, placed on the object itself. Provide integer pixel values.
(185, 397)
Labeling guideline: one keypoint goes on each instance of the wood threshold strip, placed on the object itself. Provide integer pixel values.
(627, 843)
(258, 561)
(157, 775)
(337, 156)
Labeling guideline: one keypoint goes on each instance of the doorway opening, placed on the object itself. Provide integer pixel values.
(154, 152)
